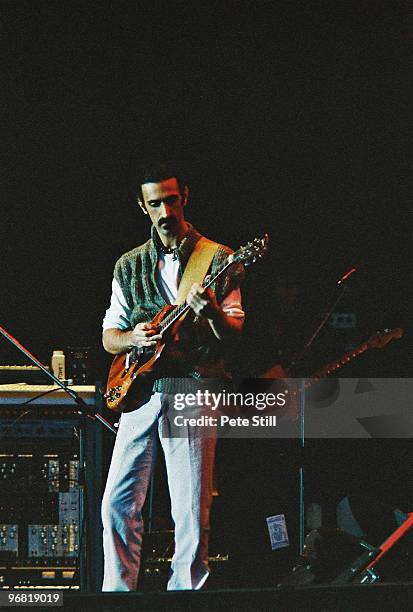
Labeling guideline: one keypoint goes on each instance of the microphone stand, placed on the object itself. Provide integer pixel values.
(82, 410)
(342, 286)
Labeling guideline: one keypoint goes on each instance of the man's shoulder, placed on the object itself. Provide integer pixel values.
(222, 252)
(233, 275)
(224, 248)
(130, 262)
(134, 254)
(221, 248)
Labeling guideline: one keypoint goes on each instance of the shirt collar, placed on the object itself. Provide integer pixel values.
(186, 246)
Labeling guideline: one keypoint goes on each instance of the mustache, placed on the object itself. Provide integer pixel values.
(167, 220)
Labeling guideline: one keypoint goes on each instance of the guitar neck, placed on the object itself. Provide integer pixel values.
(182, 309)
(335, 365)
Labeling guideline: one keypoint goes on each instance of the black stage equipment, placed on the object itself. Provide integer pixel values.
(49, 532)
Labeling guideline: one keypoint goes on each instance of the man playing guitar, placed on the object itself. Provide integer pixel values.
(146, 279)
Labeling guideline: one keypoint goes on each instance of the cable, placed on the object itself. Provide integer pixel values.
(32, 399)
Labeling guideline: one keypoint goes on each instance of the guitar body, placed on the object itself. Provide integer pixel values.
(132, 374)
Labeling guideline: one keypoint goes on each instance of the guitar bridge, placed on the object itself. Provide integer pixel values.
(113, 394)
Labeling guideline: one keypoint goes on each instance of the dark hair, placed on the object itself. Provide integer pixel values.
(160, 171)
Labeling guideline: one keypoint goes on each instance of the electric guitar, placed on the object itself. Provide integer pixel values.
(132, 374)
(377, 340)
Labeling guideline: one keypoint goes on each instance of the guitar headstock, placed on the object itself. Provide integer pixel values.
(252, 251)
(380, 339)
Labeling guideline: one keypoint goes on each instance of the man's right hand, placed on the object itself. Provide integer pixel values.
(117, 341)
(144, 334)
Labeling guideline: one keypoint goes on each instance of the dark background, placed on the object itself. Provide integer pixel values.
(289, 118)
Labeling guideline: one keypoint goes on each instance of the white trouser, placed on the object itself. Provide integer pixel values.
(189, 464)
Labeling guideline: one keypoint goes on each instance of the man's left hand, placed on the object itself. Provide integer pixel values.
(203, 301)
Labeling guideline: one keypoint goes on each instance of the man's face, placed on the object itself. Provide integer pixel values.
(164, 204)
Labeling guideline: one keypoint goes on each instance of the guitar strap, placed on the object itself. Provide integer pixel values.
(197, 266)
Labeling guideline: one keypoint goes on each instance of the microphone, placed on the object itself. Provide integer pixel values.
(346, 276)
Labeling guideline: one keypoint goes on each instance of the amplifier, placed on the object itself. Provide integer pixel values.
(46, 540)
(30, 374)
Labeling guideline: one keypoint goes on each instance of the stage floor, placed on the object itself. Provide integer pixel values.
(377, 597)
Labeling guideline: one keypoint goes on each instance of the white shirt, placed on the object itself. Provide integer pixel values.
(118, 314)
